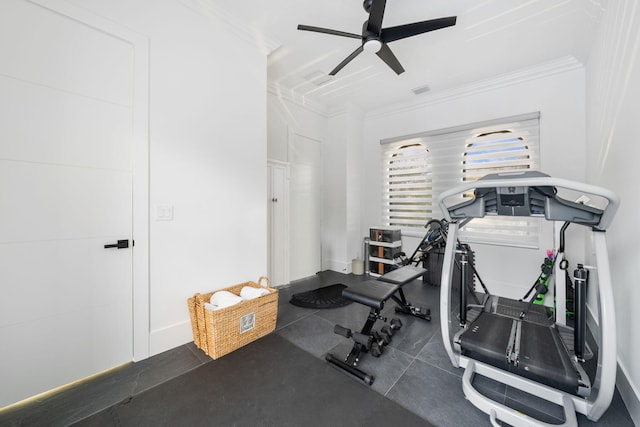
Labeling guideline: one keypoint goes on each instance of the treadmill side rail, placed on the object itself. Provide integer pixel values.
(498, 411)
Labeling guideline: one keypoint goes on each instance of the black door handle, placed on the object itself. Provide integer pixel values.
(122, 244)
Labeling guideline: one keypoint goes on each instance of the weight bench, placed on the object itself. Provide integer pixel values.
(374, 294)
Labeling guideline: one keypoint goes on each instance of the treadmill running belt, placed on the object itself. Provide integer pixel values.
(513, 308)
(542, 356)
(487, 339)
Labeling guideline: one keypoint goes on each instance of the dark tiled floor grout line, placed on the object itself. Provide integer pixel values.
(400, 376)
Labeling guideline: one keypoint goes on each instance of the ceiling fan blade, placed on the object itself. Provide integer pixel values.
(328, 31)
(376, 13)
(390, 59)
(403, 31)
(346, 61)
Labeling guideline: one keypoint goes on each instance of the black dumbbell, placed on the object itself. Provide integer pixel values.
(376, 350)
(396, 324)
(381, 338)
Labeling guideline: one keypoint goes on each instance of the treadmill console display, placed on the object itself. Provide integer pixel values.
(513, 201)
(512, 196)
(524, 194)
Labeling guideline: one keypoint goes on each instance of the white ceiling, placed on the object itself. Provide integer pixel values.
(491, 38)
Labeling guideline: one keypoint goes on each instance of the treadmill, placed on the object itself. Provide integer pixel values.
(520, 344)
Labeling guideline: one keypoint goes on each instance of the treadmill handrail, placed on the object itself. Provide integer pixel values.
(513, 180)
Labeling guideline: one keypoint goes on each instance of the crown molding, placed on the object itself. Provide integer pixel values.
(210, 9)
(547, 69)
(297, 99)
(558, 66)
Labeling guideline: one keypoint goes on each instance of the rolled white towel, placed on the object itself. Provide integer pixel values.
(210, 306)
(222, 299)
(249, 292)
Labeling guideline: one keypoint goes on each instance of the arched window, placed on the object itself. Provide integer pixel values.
(407, 190)
(417, 169)
(496, 151)
(502, 149)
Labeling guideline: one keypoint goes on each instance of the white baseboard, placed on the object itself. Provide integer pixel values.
(336, 265)
(629, 393)
(173, 336)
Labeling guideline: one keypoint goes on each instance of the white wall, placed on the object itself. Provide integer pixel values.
(556, 90)
(355, 144)
(342, 240)
(613, 107)
(334, 248)
(208, 156)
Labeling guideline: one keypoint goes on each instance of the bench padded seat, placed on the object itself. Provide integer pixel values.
(371, 293)
(403, 275)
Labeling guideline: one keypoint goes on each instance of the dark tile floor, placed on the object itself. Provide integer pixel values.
(414, 370)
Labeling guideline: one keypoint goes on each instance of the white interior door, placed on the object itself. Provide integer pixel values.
(278, 178)
(66, 132)
(305, 158)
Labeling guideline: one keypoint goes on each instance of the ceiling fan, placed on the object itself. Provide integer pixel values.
(375, 38)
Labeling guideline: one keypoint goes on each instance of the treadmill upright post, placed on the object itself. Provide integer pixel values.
(445, 292)
(580, 310)
(464, 265)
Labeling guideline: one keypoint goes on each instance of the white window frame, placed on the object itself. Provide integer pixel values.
(507, 144)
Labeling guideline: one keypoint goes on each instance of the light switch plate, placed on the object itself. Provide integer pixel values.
(164, 213)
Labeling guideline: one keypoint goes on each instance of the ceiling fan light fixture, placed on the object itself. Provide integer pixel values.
(372, 46)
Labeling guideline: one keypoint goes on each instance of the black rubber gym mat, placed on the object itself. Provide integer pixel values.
(270, 382)
(324, 297)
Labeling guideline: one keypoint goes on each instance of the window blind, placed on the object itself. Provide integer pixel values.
(417, 169)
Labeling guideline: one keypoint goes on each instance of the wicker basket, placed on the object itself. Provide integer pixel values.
(222, 331)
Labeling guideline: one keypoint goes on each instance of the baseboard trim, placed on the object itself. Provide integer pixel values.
(172, 336)
(338, 266)
(630, 395)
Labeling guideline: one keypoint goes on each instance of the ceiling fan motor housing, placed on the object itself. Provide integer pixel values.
(374, 38)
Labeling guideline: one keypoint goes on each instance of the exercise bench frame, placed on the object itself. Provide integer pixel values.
(374, 294)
